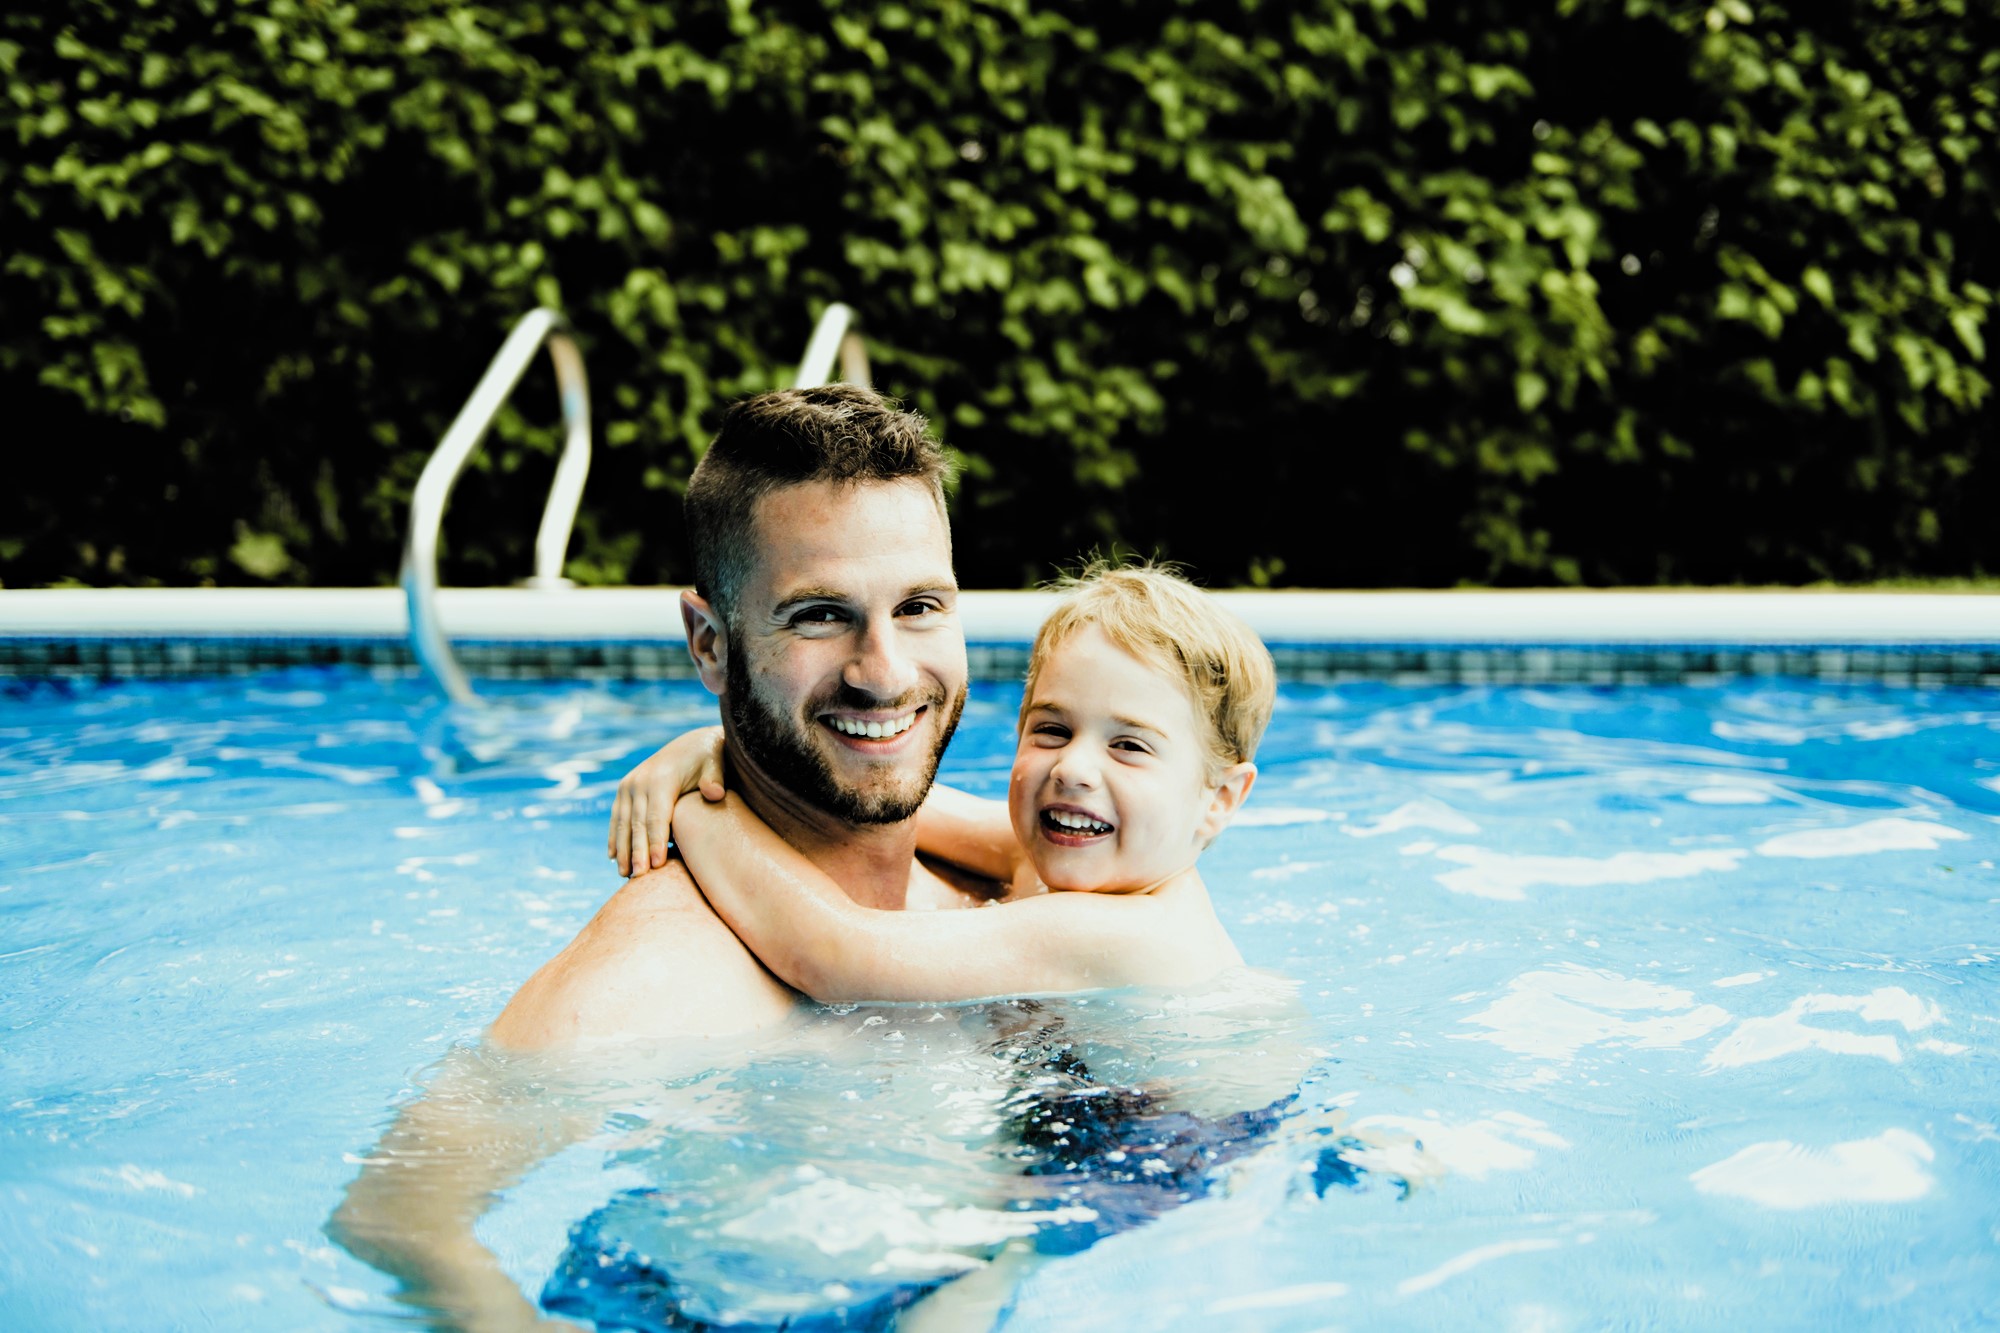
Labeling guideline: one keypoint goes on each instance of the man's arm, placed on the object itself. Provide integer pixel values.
(411, 1211)
(654, 962)
(817, 939)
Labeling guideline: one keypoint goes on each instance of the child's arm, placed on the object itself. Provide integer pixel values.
(966, 830)
(973, 832)
(817, 940)
(642, 813)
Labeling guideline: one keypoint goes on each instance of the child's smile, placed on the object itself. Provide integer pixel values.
(1068, 826)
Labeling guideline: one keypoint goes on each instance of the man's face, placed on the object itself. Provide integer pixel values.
(846, 662)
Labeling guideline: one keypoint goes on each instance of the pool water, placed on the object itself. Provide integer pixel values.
(1622, 1007)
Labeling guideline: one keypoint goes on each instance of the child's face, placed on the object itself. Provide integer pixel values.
(1110, 789)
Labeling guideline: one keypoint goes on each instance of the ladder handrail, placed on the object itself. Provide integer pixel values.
(833, 336)
(433, 491)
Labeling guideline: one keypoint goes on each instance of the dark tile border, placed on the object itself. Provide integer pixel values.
(126, 656)
(1921, 665)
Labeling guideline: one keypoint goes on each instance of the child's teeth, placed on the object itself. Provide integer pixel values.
(1081, 823)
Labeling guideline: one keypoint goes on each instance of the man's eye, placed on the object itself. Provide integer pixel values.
(923, 607)
(816, 615)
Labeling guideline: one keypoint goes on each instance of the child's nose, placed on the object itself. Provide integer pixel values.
(1075, 769)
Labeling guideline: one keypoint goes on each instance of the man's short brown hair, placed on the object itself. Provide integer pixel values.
(837, 432)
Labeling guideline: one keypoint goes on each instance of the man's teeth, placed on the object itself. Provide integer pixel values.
(895, 726)
(1076, 822)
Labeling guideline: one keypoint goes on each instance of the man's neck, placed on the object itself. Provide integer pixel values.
(871, 862)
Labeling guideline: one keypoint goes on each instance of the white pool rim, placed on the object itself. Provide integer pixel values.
(1424, 617)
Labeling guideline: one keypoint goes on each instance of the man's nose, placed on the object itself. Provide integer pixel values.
(879, 666)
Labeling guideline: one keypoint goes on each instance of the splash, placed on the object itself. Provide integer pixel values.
(1756, 1040)
(1555, 1014)
(1503, 876)
(1877, 835)
(1888, 1168)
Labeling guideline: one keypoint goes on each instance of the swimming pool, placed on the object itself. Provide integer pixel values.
(1645, 1006)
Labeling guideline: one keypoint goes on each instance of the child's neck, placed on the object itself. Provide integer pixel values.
(1180, 879)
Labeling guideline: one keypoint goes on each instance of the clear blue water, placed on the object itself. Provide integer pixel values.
(1665, 1007)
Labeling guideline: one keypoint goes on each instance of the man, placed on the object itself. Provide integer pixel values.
(824, 616)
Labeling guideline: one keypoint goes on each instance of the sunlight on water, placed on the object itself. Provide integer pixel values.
(1641, 1007)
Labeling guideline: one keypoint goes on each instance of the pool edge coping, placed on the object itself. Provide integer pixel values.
(1455, 618)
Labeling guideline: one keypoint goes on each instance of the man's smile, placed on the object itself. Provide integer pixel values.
(864, 728)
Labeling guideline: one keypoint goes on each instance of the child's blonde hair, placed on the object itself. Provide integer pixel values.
(1160, 618)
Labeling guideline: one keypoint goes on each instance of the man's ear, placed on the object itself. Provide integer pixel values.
(1227, 799)
(708, 640)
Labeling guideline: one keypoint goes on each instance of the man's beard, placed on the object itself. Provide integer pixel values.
(780, 747)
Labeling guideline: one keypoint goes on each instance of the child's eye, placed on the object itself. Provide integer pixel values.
(1131, 746)
(1050, 730)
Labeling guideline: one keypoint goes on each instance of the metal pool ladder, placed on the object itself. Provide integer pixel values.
(832, 337)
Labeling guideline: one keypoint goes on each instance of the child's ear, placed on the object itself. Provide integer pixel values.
(707, 639)
(1227, 798)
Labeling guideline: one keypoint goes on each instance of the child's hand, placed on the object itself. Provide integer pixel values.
(643, 813)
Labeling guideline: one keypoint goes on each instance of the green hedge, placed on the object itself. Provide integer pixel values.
(1348, 292)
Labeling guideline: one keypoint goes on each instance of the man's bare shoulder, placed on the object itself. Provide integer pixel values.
(654, 962)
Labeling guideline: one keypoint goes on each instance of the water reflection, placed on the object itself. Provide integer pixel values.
(874, 1155)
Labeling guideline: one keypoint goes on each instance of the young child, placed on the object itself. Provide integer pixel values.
(1144, 704)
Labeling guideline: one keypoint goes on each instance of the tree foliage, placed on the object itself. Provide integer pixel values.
(1341, 292)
